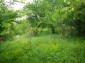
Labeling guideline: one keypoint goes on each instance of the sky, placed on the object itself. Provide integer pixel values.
(17, 5)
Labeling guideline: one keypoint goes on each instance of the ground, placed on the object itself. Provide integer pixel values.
(45, 48)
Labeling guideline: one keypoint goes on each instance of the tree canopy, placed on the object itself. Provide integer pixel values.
(59, 16)
(69, 14)
(7, 18)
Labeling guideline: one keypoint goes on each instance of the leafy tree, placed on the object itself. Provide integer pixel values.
(66, 15)
(75, 16)
(6, 21)
(41, 13)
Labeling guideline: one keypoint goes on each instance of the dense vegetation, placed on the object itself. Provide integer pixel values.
(65, 15)
(43, 49)
(7, 17)
(44, 31)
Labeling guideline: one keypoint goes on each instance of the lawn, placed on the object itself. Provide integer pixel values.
(46, 48)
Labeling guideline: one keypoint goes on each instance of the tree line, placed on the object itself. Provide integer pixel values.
(66, 17)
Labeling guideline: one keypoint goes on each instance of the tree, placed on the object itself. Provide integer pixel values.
(6, 21)
(41, 13)
(68, 15)
(75, 16)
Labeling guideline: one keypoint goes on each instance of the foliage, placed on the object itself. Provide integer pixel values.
(21, 27)
(6, 21)
(64, 17)
(67, 14)
(43, 49)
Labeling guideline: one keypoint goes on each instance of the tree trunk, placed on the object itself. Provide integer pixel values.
(78, 27)
(53, 29)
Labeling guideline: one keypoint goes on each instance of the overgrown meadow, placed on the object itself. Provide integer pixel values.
(43, 49)
(42, 31)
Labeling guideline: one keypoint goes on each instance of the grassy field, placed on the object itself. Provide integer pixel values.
(45, 48)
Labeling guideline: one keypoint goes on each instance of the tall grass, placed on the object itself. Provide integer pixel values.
(43, 49)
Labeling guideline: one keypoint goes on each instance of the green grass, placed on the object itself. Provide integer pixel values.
(43, 49)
